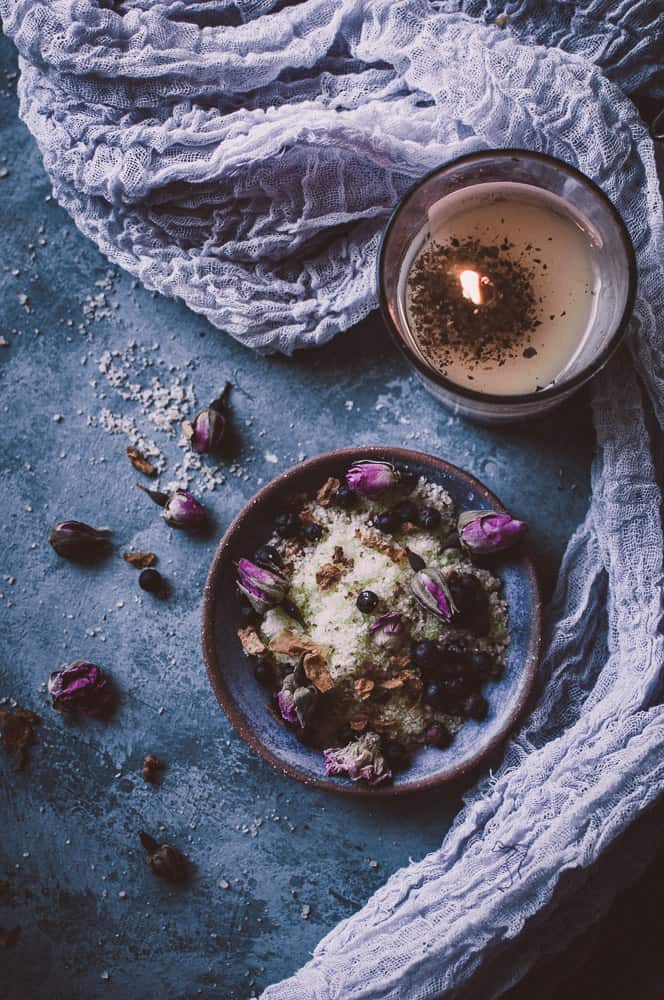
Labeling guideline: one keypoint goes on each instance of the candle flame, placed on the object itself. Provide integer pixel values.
(470, 286)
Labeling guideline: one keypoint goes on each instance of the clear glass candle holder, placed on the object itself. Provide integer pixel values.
(613, 264)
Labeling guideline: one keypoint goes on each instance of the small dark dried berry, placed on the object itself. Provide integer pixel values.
(268, 557)
(387, 522)
(366, 601)
(407, 478)
(406, 511)
(344, 497)
(483, 664)
(434, 694)
(476, 706)
(472, 603)
(428, 518)
(287, 525)
(151, 580)
(438, 736)
(264, 671)
(312, 532)
(396, 755)
(425, 654)
(249, 615)
(307, 736)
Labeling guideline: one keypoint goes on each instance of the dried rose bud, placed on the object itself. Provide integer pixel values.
(181, 509)
(389, 631)
(208, 430)
(263, 588)
(76, 540)
(165, 861)
(371, 479)
(80, 687)
(482, 532)
(361, 760)
(431, 590)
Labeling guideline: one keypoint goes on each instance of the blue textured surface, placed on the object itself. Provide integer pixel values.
(69, 823)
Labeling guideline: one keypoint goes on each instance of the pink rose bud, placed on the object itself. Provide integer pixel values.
(482, 532)
(80, 687)
(76, 540)
(208, 430)
(371, 479)
(181, 509)
(360, 760)
(389, 631)
(430, 589)
(263, 588)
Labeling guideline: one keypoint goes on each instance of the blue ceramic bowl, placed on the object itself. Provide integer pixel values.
(245, 702)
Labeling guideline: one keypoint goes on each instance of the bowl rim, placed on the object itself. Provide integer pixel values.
(224, 693)
(554, 392)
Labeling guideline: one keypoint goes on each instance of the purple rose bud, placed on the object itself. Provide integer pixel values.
(389, 631)
(361, 760)
(430, 589)
(76, 540)
(208, 430)
(181, 509)
(482, 532)
(263, 588)
(371, 479)
(287, 707)
(80, 687)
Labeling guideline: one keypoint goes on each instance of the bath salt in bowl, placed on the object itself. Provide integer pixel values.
(371, 622)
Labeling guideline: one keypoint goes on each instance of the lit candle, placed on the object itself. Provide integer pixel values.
(507, 279)
(500, 289)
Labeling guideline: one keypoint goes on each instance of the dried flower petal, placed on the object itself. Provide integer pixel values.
(18, 734)
(327, 492)
(140, 462)
(9, 936)
(208, 430)
(361, 760)
(141, 560)
(483, 532)
(80, 687)
(77, 540)
(252, 644)
(371, 479)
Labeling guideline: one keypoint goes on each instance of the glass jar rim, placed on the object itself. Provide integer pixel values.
(553, 391)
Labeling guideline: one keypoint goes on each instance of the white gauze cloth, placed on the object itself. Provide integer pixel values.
(244, 156)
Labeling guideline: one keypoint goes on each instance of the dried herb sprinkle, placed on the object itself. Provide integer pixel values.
(449, 326)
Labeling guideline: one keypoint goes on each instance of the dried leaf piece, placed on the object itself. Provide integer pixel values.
(141, 560)
(328, 491)
(140, 462)
(18, 734)
(9, 936)
(151, 767)
(340, 559)
(288, 643)
(328, 576)
(315, 667)
(252, 644)
(363, 687)
(374, 540)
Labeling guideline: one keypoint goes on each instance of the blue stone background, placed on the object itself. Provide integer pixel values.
(95, 922)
